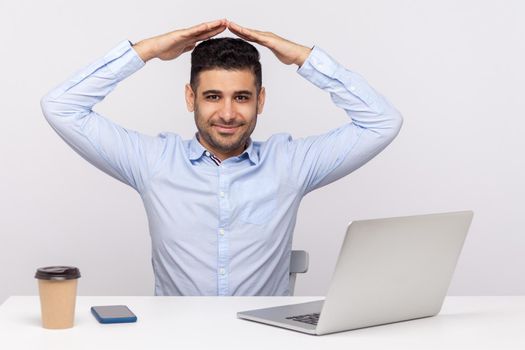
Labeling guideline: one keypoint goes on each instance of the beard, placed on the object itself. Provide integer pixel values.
(225, 143)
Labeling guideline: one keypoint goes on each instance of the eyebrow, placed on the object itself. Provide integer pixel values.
(218, 92)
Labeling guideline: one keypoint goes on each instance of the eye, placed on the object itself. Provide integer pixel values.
(242, 98)
(212, 97)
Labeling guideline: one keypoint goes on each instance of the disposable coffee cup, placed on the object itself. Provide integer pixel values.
(57, 287)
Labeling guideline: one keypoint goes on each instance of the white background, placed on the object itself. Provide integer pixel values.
(453, 68)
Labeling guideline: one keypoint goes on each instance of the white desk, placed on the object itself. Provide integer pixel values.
(178, 323)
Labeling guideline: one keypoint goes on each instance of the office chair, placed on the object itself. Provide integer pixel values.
(298, 264)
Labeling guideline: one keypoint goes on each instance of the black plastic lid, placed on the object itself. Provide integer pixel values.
(57, 273)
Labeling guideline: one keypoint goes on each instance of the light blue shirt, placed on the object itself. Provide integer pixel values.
(221, 229)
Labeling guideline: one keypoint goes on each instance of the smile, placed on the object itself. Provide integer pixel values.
(226, 129)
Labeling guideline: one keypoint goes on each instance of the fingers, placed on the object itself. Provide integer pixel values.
(189, 37)
(193, 41)
(208, 30)
(238, 30)
(245, 33)
(204, 28)
(210, 34)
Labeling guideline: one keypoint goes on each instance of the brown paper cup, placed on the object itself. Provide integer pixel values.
(57, 287)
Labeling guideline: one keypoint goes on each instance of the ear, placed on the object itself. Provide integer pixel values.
(190, 98)
(260, 100)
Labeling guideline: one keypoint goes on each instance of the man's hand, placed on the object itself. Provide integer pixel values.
(173, 44)
(286, 51)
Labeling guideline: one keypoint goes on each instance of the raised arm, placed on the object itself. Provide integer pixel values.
(122, 153)
(316, 161)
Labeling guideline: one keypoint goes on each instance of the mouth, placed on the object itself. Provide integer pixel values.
(226, 129)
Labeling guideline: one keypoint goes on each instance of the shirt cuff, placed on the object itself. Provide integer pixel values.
(319, 68)
(123, 60)
(325, 72)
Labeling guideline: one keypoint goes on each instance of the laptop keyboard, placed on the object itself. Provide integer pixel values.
(308, 318)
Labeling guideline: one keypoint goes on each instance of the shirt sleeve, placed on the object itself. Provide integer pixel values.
(124, 154)
(319, 160)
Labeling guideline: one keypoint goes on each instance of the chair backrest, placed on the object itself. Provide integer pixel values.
(299, 261)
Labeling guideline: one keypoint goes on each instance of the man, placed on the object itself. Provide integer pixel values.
(222, 208)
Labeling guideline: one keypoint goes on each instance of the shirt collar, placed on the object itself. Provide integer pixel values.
(197, 150)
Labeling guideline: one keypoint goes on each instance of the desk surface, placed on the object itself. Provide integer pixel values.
(210, 322)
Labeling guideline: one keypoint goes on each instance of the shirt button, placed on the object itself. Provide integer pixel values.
(221, 232)
(352, 88)
(207, 153)
(222, 194)
(222, 271)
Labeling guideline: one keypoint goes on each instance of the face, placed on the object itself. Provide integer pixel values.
(225, 105)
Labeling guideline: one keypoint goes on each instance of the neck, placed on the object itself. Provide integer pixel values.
(219, 154)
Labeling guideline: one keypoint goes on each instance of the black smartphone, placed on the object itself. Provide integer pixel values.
(113, 314)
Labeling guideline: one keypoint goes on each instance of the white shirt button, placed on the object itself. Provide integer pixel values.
(221, 232)
(222, 194)
(352, 88)
(222, 271)
(207, 153)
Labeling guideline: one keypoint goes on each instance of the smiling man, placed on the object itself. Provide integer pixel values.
(222, 207)
(225, 93)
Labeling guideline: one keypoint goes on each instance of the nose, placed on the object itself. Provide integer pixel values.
(227, 113)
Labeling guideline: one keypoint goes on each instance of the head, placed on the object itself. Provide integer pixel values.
(225, 94)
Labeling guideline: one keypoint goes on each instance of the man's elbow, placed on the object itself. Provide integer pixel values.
(397, 121)
(46, 106)
(392, 123)
(55, 110)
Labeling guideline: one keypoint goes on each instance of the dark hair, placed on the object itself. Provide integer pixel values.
(225, 53)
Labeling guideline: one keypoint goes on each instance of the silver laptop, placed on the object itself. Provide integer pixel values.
(388, 270)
